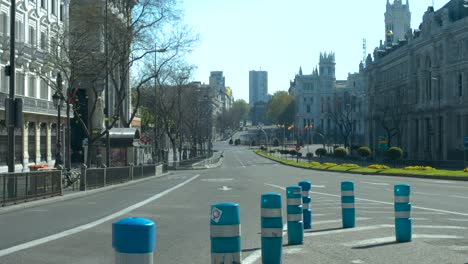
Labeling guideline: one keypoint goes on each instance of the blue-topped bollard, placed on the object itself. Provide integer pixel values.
(225, 233)
(294, 210)
(306, 211)
(134, 240)
(403, 221)
(348, 212)
(272, 228)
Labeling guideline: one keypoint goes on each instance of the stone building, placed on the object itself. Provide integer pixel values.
(329, 105)
(37, 21)
(418, 87)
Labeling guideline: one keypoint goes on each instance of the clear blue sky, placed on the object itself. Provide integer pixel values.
(279, 36)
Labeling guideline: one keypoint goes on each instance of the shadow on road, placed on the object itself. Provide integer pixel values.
(323, 230)
(378, 245)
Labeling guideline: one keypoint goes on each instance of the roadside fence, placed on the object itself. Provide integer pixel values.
(27, 186)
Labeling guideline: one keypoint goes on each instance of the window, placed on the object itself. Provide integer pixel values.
(19, 31)
(429, 87)
(20, 83)
(62, 10)
(459, 126)
(4, 23)
(5, 81)
(43, 44)
(54, 7)
(44, 94)
(43, 4)
(308, 108)
(32, 86)
(460, 85)
(32, 36)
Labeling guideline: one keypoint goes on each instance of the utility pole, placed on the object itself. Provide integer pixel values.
(10, 102)
(106, 118)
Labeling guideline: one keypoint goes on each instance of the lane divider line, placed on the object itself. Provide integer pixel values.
(381, 202)
(78, 229)
(380, 240)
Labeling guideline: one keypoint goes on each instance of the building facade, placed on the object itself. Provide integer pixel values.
(37, 22)
(333, 108)
(418, 88)
(258, 87)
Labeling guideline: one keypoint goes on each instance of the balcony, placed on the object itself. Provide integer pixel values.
(34, 105)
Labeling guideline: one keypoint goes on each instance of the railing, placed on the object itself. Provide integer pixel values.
(22, 187)
(100, 177)
(34, 105)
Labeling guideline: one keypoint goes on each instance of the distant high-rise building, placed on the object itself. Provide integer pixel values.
(217, 81)
(258, 87)
(397, 21)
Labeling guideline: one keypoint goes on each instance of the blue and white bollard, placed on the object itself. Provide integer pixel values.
(348, 211)
(306, 211)
(403, 221)
(272, 228)
(134, 240)
(225, 233)
(294, 210)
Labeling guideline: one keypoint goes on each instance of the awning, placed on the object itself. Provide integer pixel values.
(123, 137)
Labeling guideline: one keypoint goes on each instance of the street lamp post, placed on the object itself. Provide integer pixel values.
(57, 100)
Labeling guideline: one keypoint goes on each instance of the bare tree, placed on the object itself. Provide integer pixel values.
(149, 27)
(390, 111)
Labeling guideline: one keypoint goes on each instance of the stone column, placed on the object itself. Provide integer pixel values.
(38, 141)
(49, 142)
(25, 146)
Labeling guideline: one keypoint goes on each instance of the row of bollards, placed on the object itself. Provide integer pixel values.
(134, 239)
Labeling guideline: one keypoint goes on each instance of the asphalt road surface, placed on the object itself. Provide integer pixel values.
(79, 230)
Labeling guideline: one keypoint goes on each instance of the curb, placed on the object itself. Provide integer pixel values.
(435, 177)
(71, 196)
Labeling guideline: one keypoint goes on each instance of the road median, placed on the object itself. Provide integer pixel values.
(419, 172)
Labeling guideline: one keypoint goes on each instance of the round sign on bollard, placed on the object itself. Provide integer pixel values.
(306, 200)
(225, 233)
(348, 211)
(134, 240)
(294, 211)
(272, 228)
(403, 221)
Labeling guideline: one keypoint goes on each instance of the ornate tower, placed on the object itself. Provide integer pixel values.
(397, 21)
(327, 65)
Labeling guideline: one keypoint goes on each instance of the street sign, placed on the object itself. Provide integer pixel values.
(298, 148)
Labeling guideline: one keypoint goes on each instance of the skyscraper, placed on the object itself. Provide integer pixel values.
(258, 87)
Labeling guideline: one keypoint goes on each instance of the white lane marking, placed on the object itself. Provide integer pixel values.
(318, 186)
(242, 164)
(347, 230)
(254, 256)
(336, 221)
(292, 250)
(415, 207)
(431, 227)
(357, 261)
(459, 248)
(257, 254)
(78, 229)
(428, 194)
(380, 240)
(458, 196)
(380, 202)
(376, 183)
(458, 220)
(225, 188)
(217, 180)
